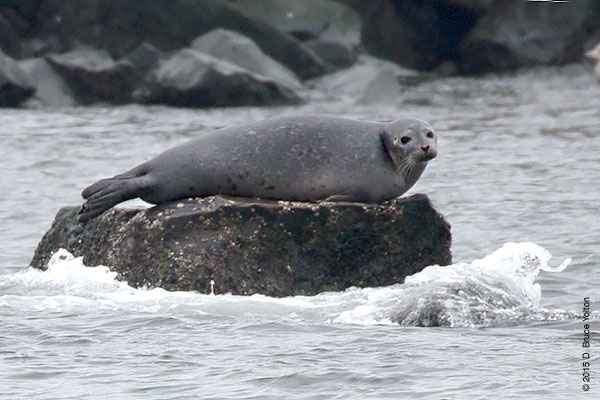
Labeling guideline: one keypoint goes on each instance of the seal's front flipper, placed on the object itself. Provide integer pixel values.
(106, 193)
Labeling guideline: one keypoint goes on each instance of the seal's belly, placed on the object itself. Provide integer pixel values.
(316, 185)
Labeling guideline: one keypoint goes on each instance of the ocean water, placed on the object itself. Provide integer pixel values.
(517, 177)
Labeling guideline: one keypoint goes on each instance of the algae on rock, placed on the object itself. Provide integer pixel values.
(248, 246)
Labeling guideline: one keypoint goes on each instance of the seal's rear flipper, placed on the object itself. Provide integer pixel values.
(106, 193)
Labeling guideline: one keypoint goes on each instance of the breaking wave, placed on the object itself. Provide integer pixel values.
(495, 290)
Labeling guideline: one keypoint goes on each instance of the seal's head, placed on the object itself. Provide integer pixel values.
(409, 142)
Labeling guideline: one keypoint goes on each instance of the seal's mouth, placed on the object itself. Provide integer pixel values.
(406, 166)
(427, 153)
(427, 157)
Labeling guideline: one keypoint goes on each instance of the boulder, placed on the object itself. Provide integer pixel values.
(24, 37)
(26, 10)
(306, 19)
(94, 76)
(369, 81)
(479, 7)
(14, 86)
(250, 246)
(143, 58)
(119, 26)
(191, 78)
(39, 47)
(516, 34)
(239, 50)
(9, 41)
(337, 55)
(418, 34)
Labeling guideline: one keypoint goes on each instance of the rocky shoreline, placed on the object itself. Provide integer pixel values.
(210, 53)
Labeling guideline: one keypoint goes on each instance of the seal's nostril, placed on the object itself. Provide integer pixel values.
(425, 148)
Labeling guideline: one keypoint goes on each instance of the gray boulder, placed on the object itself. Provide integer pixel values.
(369, 81)
(14, 86)
(143, 58)
(516, 34)
(415, 34)
(191, 78)
(337, 55)
(94, 76)
(250, 246)
(239, 50)
(306, 19)
(119, 26)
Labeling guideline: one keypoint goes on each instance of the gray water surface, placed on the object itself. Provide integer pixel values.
(519, 161)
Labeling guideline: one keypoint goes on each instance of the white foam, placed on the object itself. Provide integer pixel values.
(499, 287)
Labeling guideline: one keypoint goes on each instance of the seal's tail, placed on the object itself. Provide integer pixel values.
(105, 193)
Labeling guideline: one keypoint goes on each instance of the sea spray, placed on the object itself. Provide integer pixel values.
(494, 290)
(499, 287)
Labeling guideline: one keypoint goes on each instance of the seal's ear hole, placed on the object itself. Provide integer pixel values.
(430, 135)
(405, 139)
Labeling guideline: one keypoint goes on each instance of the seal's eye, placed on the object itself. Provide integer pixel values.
(405, 139)
(430, 135)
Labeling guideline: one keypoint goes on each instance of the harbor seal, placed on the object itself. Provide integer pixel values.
(297, 158)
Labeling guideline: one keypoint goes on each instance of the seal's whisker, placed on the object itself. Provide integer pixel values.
(405, 167)
(401, 167)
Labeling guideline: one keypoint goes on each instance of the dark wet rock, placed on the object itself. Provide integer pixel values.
(143, 58)
(479, 7)
(237, 49)
(27, 10)
(14, 86)
(418, 34)
(40, 47)
(307, 19)
(13, 94)
(251, 246)
(119, 26)
(336, 54)
(191, 78)
(9, 40)
(95, 77)
(477, 36)
(25, 37)
(21, 17)
(517, 34)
